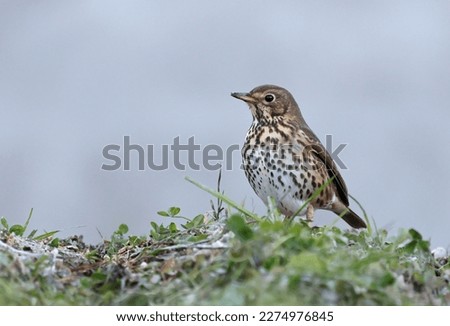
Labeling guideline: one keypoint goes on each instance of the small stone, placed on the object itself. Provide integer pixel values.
(155, 279)
(440, 255)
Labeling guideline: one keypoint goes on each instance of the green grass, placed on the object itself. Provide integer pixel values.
(237, 259)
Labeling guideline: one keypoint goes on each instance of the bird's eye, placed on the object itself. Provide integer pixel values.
(269, 98)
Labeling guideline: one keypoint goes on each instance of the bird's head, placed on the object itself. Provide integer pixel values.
(269, 104)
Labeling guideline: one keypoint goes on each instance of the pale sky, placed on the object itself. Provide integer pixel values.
(78, 76)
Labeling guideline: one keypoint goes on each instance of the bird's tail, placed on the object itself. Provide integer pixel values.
(353, 219)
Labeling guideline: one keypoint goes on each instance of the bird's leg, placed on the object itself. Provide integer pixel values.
(309, 213)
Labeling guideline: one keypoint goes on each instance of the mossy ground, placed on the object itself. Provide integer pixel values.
(231, 260)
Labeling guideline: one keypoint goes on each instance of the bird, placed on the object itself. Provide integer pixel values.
(283, 159)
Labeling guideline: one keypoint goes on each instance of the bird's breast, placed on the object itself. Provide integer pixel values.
(279, 169)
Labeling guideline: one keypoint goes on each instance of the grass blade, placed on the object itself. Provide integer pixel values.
(225, 199)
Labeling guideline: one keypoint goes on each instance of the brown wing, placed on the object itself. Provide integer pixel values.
(321, 153)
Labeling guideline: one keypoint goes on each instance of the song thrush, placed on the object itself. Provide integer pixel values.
(285, 160)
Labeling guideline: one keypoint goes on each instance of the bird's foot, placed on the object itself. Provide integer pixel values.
(309, 214)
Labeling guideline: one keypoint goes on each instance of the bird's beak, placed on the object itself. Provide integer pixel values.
(246, 97)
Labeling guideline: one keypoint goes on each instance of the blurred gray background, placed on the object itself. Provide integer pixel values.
(76, 76)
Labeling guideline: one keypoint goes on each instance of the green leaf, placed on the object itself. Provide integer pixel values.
(45, 235)
(386, 280)
(239, 227)
(32, 233)
(188, 225)
(99, 276)
(199, 237)
(123, 229)
(308, 262)
(409, 247)
(173, 227)
(424, 245)
(91, 255)
(55, 243)
(155, 235)
(155, 226)
(415, 235)
(4, 223)
(17, 229)
(28, 220)
(163, 229)
(419, 278)
(134, 240)
(174, 211)
(163, 213)
(198, 220)
(20, 229)
(86, 282)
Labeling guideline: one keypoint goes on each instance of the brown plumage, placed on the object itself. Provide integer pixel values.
(285, 160)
